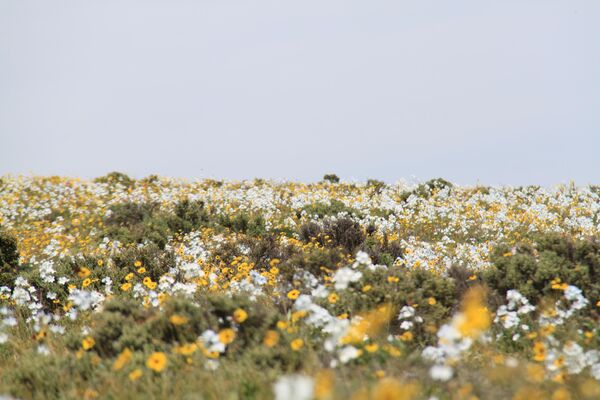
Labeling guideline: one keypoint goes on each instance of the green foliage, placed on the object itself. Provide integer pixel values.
(376, 185)
(335, 207)
(253, 225)
(425, 190)
(9, 259)
(342, 232)
(146, 222)
(331, 178)
(137, 223)
(533, 267)
(116, 178)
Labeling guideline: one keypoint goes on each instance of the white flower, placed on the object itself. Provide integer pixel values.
(344, 276)
(362, 258)
(406, 325)
(211, 341)
(348, 353)
(406, 312)
(294, 387)
(320, 292)
(441, 372)
(595, 371)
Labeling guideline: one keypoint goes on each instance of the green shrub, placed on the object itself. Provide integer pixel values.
(342, 232)
(375, 185)
(425, 190)
(9, 259)
(533, 267)
(332, 178)
(188, 216)
(322, 210)
(253, 225)
(116, 177)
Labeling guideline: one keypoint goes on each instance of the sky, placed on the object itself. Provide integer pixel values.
(478, 92)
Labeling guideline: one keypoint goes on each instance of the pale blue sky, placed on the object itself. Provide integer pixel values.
(500, 92)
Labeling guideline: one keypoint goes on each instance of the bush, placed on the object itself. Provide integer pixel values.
(322, 210)
(137, 223)
(425, 190)
(146, 222)
(116, 177)
(342, 232)
(9, 259)
(376, 185)
(188, 216)
(533, 267)
(331, 178)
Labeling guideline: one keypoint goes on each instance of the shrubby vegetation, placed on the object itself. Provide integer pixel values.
(159, 288)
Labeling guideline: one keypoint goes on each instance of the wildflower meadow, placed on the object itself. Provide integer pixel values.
(163, 288)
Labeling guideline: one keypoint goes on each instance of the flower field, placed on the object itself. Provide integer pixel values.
(164, 288)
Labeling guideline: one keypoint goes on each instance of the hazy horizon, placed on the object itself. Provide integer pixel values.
(496, 93)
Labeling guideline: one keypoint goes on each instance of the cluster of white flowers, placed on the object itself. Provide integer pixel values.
(294, 387)
(408, 318)
(509, 315)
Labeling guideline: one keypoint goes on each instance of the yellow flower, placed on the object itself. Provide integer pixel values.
(393, 279)
(431, 301)
(86, 282)
(475, 317)
(226, 335)
(147, 282)
(122, 359)
(293, 294)
(84, 272)
(41, 335)
(129, 276)
(297, 344)
(367, 288)
(186, 349)
(126, 286)
(472, 278)
(372, 347)
(137, 264)
(271, 338)
(274, 262)
(547, 330)
(324, 385)
(392, 351)
(135, 374)
(141, 270)
(157, 361)
(177, 319)
(87, 343)
(100, 263)
(539, 351)
(535, 373)
(561, 394)
(282, 325)
(407, 336)
(240, 315)
(391, 389)
(90, 394)
(333, 298)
